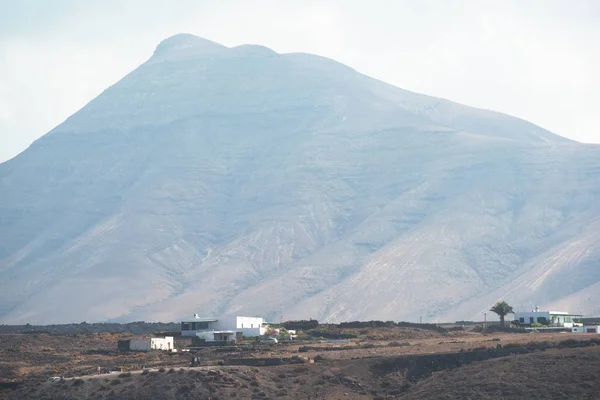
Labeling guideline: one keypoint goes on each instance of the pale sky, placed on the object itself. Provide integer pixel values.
(534, 59)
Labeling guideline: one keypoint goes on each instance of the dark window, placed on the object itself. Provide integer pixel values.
(522, 320)
(531, 320)
(199, 325)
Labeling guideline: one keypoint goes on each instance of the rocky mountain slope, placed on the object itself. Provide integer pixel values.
(238, 180)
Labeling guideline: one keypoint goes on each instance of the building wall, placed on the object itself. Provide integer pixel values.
(536, 315)
(586, 329)
(209, 336)
(226, 323)
(249, 326)
(165, 343)
(139, 344)
(564, 320)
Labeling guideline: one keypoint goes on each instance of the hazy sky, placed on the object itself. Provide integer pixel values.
(535, 59)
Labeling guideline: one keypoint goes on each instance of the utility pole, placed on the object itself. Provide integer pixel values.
(484, 320)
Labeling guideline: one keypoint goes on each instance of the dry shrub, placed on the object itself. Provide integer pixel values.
(398, 344)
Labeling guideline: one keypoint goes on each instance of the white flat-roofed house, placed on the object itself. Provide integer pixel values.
(552, 318)
(249, 326)
(223, 328)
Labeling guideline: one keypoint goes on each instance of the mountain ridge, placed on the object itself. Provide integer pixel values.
(240, 180)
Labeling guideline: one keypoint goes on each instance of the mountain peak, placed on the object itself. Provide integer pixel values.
(221, 173)
(185, 45)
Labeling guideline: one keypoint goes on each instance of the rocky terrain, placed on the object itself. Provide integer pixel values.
(238, 180)
(379, 363)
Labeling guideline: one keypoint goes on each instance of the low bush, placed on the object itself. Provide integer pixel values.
(512, 345)
(331, 334)
(382, 324)
(125, 375)
(398, 344)
(301, 324)
(98, 351)
(78, 382)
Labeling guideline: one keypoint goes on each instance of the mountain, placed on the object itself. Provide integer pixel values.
(218, 180)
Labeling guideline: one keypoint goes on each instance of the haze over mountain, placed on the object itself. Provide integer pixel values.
(219, 180)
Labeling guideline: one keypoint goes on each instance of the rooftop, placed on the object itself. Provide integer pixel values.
(564, 313)
(198, 319)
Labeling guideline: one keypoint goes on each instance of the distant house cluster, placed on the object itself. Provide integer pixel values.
(211, 331)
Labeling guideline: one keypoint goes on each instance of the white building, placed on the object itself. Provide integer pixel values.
(586, 329)
(165, 343)
(223, 328)
(554, 318)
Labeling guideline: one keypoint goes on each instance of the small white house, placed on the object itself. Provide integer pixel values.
(223, 328)
(586, 329)
(165, 343)
(555, 318)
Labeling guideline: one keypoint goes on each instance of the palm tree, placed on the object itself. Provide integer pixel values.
(502, 309)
